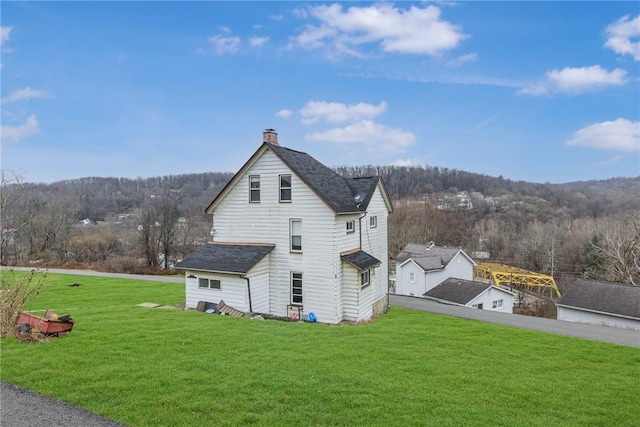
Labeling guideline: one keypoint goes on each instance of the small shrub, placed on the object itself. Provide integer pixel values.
(15, 292)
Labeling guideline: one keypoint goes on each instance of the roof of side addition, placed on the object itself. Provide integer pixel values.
(360, 259)
(235, 258)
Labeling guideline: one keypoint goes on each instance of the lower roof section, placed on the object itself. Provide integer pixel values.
(360, 259)
(236, 258)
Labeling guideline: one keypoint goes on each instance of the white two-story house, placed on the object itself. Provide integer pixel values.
(292, 237)
(420, 268)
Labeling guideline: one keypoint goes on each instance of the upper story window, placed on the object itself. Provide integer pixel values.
(285, 188)
(254, 188)
(351, 226)
(373, 221)
(412, 277)
(295, 228)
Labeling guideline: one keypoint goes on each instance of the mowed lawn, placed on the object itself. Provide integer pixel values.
(151, 367)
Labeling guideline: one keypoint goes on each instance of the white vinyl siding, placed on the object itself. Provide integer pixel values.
(268, 222)
(233, 291)
(492, 298)
(569, 314)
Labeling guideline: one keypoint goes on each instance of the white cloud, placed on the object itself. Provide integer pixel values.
(404, 163)
(576, 80)
(377, 137)
(285, 114)
(15, 133)
(335, 112)
(25, 93)
(620, 34)
(468, 57)
(276, 17)
(258, 41)
(5, 34)
(406, 31)
(617, 135)
(223, 44)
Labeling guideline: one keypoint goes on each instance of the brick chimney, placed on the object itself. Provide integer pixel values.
(270, 136)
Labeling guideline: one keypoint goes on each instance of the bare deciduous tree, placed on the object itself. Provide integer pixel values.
(620, 246)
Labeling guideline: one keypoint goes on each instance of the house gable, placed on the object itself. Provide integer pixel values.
(341, 195)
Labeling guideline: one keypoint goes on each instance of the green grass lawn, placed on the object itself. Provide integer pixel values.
(150, 367)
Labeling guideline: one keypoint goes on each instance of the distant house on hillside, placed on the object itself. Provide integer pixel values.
(601, 303)
(291, 237)
(482, 296)
(420, 268)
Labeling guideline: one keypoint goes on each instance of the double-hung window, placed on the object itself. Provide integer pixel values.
(373, 221)
(296, 288)
(254, 188)
(295, 229)
(497, 304)
(365, 277)
(351, 226)
(285, 188)
(205, 283)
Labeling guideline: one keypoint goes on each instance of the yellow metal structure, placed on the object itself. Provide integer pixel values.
(506, 276)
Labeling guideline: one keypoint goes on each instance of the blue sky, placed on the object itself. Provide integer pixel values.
(535, 91)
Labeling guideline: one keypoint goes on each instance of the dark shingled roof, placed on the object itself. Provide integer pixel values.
(360, 259)
(435, 258)
(227, 257)
(457, 290)
(605, 297)
(338, 192)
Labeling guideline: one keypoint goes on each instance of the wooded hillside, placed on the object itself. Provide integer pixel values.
(576, 229)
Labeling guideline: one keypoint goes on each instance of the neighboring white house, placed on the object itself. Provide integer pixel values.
(601, 303)
(419, 268)
(292, 237)
(483, 296)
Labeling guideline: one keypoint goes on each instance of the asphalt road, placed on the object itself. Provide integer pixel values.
(559, 327)
(20, 407)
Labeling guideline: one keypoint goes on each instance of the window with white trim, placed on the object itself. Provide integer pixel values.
(351, 226)
(373, 221)
(497, 304)
(254, 188)
(365, 277)
(205, 283)
(478, 306)
(296, 288)
(285, 188)
(295, 229)
(412, 277)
